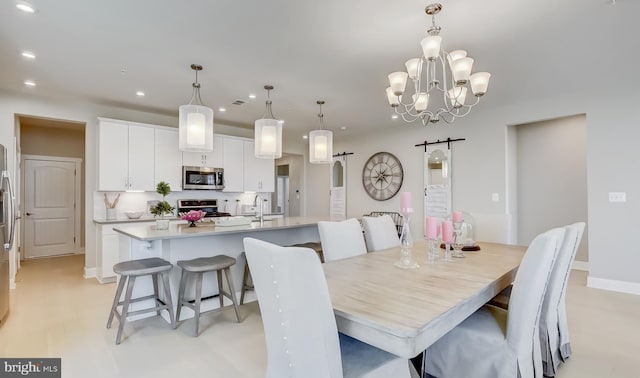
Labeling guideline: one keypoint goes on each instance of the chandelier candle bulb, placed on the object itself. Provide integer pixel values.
(398, 81)
(393, 99)
(405, 203)
(447, 232)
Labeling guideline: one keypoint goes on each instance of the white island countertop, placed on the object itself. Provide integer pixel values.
(182, 230)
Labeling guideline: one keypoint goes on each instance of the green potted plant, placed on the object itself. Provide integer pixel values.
(163, 207)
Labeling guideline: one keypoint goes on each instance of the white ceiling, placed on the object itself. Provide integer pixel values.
(336, 50)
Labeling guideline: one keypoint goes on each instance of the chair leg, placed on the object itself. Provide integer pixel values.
(181, 288)
(167, 298)
(232, 293)
(198, 300)
(116, 300)
(156, 299)
(125, 307)
(245, 279)
(220, 288)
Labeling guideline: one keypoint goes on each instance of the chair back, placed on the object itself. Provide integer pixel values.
(380, 233)
(299, 324)
(397, 218)
(526, 299)
(552, 319)
(341, 239)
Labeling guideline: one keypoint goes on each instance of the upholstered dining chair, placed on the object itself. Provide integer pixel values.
(495, 343)
(397, 218)
(293, 294)
(341, 239)
(554, 331)
(380, 233)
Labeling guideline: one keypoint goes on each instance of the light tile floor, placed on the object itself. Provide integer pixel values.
(55, 312)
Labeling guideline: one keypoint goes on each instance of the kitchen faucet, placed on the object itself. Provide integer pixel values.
(259, 213)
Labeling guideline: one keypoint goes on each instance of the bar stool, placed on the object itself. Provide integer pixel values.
(129, 271)
(316, 246)
(219, 264)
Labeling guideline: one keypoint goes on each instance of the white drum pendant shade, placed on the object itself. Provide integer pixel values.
(320, 146)
(196, 128)
(268, 138)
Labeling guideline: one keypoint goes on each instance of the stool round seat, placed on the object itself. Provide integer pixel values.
(207, 264)
(142, 267)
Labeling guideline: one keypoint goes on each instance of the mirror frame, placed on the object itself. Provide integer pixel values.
(439, 194)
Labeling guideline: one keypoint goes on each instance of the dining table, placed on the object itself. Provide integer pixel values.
(404, 311)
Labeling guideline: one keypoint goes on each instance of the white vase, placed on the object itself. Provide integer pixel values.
(111, 213)
(162, 224)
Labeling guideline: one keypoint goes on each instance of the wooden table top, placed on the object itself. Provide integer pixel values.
(404, 311)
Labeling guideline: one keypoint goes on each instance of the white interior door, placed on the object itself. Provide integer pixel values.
(49, 203)
(338, 190)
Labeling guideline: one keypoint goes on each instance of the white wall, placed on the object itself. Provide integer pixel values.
(552, 177)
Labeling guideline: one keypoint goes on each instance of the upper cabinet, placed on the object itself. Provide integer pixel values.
(259, 174)
(243, 172)
(212, 159)
(168, 159)
(233, 164)
(125, 157)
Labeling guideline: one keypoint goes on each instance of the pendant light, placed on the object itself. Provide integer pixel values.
(196, 121)
(268, 133)
(320, 142)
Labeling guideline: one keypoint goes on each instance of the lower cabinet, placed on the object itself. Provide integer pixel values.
(108, 251)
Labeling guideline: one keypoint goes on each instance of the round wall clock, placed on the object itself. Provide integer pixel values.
(382, 176)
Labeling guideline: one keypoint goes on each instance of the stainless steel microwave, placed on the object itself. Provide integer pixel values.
(202, 178)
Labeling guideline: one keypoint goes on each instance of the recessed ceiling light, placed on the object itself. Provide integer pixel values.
(28, 55)
(394, 116)
(30, 83)
(140, 93)
(305, 137)
(252, 96)
(222, 109)
(343, 127)
(25, 7)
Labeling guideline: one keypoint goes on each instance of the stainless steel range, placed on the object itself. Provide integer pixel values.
(209, 206)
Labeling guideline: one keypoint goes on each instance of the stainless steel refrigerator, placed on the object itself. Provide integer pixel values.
(7, 226)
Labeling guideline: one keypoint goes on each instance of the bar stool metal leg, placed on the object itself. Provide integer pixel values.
(116, 300)
(196, 307)
(167, 298)
(232, 293)
(125, 307)
(183, 284)
(220, 288)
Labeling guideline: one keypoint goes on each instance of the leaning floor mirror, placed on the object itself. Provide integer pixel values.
(437, 181)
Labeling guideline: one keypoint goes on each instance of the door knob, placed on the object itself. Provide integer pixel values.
(29, 214)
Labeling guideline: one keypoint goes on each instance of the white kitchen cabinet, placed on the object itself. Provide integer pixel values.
(168, 159)
(213, 159)
(233, 164)
(108, 253)
(259, 174)
(125, 157)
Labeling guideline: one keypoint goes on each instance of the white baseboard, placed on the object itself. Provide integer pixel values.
(580, 265)
(80, 251)
(89, 272)
(12, 283)
(614, 285)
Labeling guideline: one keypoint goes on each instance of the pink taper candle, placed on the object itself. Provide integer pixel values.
(405, 203)
(456, 216)
(447, 232)
(431, 227)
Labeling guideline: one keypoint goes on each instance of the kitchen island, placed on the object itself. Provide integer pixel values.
(181, 242)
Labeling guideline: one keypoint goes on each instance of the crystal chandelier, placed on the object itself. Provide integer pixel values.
(436, 72)
(320, 142)
(268, 133)
(195, 121)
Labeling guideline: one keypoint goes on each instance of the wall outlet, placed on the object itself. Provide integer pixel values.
(617, 197)
(495, 197)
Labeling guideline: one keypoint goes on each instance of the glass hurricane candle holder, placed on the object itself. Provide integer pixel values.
(458, 240)
(406, 243)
